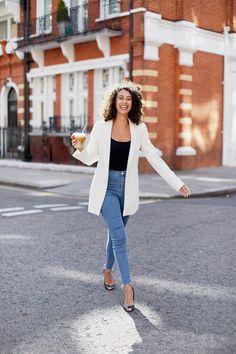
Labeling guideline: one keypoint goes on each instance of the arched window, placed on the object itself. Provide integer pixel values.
(12, 108)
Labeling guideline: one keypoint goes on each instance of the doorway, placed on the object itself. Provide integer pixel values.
(12, 139)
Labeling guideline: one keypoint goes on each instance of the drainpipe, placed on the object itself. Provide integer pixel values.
(226, 113)
(27, 154)
(131, 32)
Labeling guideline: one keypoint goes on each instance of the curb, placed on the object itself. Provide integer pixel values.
(216, 193)
(143, 196)
(47, 166)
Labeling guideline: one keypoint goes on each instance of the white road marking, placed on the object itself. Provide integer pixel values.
(149, 201)
(14, 237)
(44, 206)
(83, 203)
(67, 208)
(10, 209)
(24, 212)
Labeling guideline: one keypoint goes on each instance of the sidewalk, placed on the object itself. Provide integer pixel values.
(75, 180)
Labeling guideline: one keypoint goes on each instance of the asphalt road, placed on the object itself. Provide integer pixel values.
(183, 258)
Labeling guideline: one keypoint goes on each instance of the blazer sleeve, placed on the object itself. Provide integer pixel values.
(157, 162)
(89, 154)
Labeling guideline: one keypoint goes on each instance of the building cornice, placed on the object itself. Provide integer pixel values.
(183, 35)
(84, 65)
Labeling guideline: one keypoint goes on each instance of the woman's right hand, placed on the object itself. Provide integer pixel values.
(78, 141)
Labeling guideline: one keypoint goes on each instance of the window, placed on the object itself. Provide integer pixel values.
(121, 74)
(74, 100)
(73, 3)
(41, 85)
(42, 114)
(85, 80)
(109, 8)
(47, 15)
(13, 28)
(54, 84)
(79, 15)
(3, 30)
(113, 7)
(44, 98)
(71, 114)
(44, 17)
(71, 82)
(105, 78)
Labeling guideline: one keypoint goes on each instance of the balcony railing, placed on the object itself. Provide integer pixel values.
(80, 20)
(12, 140)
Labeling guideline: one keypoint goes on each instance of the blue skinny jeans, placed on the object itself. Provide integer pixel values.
(112, 212)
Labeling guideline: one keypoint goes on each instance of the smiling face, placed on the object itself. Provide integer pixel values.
(123, 102)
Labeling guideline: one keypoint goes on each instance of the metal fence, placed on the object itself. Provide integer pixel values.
(11, 142)
(48, 144)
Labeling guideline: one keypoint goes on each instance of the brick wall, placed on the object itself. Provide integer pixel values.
(160, 80)
(207, 108)
(211, 15)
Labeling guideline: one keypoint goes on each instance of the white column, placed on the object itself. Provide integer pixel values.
(229, 105)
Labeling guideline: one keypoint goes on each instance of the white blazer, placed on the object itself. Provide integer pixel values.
(98, 150)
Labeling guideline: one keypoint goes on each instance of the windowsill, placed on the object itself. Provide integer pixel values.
(109, 17)
(120, 14)
(42, 33)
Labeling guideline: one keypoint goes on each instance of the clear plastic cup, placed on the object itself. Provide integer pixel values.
(80, 139)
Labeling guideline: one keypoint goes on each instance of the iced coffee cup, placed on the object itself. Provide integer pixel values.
(79, 140)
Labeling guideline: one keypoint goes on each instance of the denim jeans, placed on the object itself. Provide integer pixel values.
(112, 212)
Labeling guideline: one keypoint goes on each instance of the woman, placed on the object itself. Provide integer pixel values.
(114, 144)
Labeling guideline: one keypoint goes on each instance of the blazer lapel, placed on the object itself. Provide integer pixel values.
(106, 143)
(133, 141)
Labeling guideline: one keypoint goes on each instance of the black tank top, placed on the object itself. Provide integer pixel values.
(119, 154)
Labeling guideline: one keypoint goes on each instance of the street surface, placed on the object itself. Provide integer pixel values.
(183, 260)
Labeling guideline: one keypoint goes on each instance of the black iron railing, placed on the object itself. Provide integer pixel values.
(12, 140)
(79, 20)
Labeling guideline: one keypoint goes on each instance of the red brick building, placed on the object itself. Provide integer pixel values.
(182, 52)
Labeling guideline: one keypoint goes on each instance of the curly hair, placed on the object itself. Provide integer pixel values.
(136, 112)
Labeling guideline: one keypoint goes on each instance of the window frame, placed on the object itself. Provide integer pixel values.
(6, 19)
(47, 18)
(104, 10)
(80, 111)
(43, 109)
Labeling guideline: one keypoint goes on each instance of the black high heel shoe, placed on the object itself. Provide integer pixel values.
(129, 308)
(108, 287)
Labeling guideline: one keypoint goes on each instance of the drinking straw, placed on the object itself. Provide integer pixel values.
(85, 126)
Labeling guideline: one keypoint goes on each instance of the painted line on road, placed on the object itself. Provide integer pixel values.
(44, 206)
(24, 212)
(83, 203)
(67, 208)
(11, 209)
(149, 201)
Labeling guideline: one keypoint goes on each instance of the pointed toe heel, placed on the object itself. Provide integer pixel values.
(129, 308)
(108, 287)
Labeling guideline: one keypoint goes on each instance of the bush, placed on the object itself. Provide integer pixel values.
(62, 12)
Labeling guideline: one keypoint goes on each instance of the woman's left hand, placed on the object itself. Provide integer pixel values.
(185, 191)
